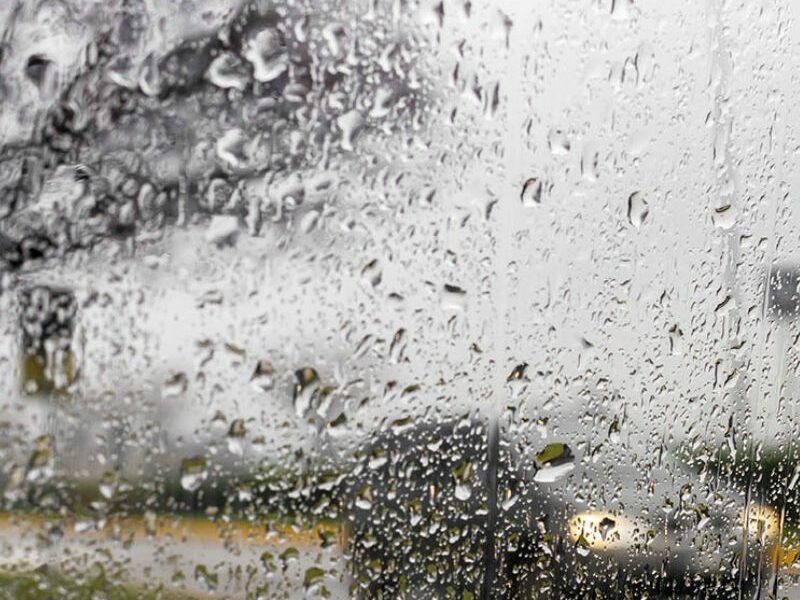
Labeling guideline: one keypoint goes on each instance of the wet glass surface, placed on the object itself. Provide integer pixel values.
(398, 299)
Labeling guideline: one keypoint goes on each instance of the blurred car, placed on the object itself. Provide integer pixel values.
(447, 509)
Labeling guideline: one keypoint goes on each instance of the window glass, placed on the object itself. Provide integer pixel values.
(398, 299)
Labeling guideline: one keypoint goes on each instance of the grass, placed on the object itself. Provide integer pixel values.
(48, 584)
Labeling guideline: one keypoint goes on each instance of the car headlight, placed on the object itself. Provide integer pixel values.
(604, 531)
(761, 523)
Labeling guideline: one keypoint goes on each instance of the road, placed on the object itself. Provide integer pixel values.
(196, 557)
(190, 556)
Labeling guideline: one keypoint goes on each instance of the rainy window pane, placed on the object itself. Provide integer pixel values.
(410, 299)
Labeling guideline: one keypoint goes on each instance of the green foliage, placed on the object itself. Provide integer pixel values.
(46, 583)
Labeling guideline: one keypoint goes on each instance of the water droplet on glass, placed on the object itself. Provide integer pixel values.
(724, 216)
(558, 142)
(605, 527)
(236, 434)
(223, 229)
(334, 35)
(42, 461)
(372, 273)
(312, 576)
(795, 477)
(193, 473)
(531, 193)
(306, 391)
(553, 463)
(175, 385)
(582, 546)
(463, 492)
(351, 123)
(517, 380)
(204, 576)
(226, 71)
(454, 298)
(382, 102)
(637, 209)
(231, 148)
(590, 163)
(397, 346)
(266, 52)
(676, 340)
(263, 376)
(108, 485)
(614, 431)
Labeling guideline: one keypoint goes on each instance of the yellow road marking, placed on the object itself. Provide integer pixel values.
(185, 529)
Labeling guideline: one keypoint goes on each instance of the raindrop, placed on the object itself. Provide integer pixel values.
(301, 29)
(42, 461)
(227, 72)
(590, 163)
(230, 148)
(621, 9)
(518, 373)
(372, 274)
(382, 102)
(266, 52)
(517, 380)
(454, 298)
(312, 576)
(237, 429)
(351, 123)
(582, 546)
(15, 478)
(209, 580)
(193, 473)
(397, 346)
(175, 385)
(462, 475)
(531, 193)
(306, 391)
(268, 561)
(222, 230)
(290, 555)
(724, 216)
(795, 477)
(334, 36)
(236, 434)
(40, 71)
(309, 221)
(218, 194)
(364, 498)
(150, 523)
(150, 77)
(463, 492)
(263, 376)
(108, 485)
(553, 463)
(378, 459)
(614, 431)
(637, 209)
(558, 142)
(675, 340)
(605, 527)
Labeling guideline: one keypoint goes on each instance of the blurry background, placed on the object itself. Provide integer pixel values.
(239, 240)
